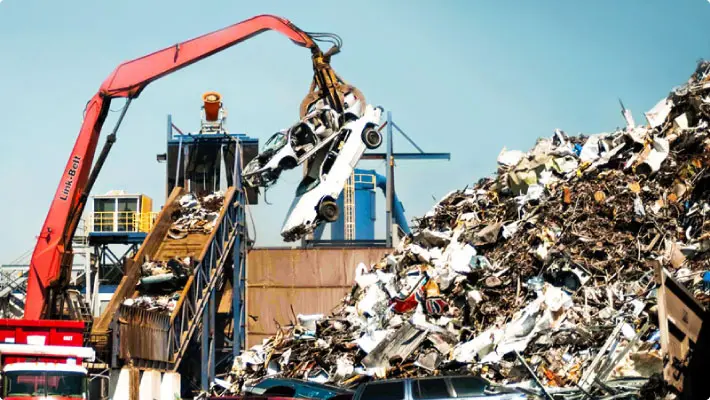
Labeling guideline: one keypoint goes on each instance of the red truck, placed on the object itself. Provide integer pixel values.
(42, 360)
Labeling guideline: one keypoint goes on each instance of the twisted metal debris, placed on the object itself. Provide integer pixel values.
(551, 259)
(161, 282)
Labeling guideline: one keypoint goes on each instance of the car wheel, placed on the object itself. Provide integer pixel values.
(287, 163)
(328, 210)
(372, 138)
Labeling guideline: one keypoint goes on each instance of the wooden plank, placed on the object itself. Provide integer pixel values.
(399, 344)
(132, 268)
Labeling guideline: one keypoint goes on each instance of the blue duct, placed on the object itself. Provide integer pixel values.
(398, 208)
(318, 232)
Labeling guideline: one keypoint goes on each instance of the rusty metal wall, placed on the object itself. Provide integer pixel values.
(312, 281)
(144, 334)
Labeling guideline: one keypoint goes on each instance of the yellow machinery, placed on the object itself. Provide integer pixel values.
(117, 211)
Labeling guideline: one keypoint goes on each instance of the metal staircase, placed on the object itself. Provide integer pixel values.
(79, 310)
(12, 306)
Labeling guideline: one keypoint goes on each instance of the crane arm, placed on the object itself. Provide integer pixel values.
(52, 257)
(129, 79)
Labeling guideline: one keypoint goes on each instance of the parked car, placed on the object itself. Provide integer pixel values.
(437, 388)
(291, 147)
(327, 174)
(296, 388)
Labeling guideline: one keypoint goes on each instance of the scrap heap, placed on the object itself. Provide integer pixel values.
(162, 281)
(197, 214)
(547, 266)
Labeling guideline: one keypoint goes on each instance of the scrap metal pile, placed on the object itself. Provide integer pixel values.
(197, 214)
(160, 284)
(544, 272)
(162, 281)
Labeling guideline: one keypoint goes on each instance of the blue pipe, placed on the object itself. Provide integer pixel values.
(397, 209)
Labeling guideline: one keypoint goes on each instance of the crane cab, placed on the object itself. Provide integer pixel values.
(118, 211)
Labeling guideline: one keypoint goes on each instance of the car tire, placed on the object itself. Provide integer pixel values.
(288, 163)
(328, 210)
(372, 138)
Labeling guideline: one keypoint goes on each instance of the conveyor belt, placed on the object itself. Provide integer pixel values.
(159, 339)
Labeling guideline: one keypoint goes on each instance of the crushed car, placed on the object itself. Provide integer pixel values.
(291, 147)
(316, 194)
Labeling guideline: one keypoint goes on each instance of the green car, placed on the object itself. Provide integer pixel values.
(297, 388)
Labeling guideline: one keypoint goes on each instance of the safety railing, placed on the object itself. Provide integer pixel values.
(365, 178)
(121, 221)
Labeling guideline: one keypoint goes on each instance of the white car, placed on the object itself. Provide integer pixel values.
(291, 147)
(327, 174)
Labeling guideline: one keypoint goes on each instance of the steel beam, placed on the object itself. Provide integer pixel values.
(389, 193)
(408, 156)
(212, 360)
(167, 163)
(239, 262)
(204, 378)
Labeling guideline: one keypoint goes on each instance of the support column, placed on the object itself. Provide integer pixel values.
(212, 359)
(239, 262)
(390, 176)
(169, 133)
(204, 365)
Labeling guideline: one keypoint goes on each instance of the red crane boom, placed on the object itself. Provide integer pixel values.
(52, 257)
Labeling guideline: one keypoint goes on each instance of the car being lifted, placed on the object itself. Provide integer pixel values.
(291, 147)
(327, 174)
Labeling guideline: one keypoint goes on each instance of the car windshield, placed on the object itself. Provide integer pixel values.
(306, 185)
(41, 383)
(275, 142)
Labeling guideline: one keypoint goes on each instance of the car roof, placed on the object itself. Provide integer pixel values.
(280, 381)
(425, 378)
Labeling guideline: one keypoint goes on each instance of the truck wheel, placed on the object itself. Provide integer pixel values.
(372, 138)
(328, 210)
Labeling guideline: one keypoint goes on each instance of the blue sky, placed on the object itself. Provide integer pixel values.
(467, 77)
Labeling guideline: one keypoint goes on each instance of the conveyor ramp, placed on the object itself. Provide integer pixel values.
(159, 339)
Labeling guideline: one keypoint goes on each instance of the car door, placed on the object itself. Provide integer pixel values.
(431, 389)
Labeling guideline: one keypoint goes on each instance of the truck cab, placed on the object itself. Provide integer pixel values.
(44, 381)
(42, 360)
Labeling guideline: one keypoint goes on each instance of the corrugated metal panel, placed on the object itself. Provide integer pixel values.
(312, 281)
(144, 334)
